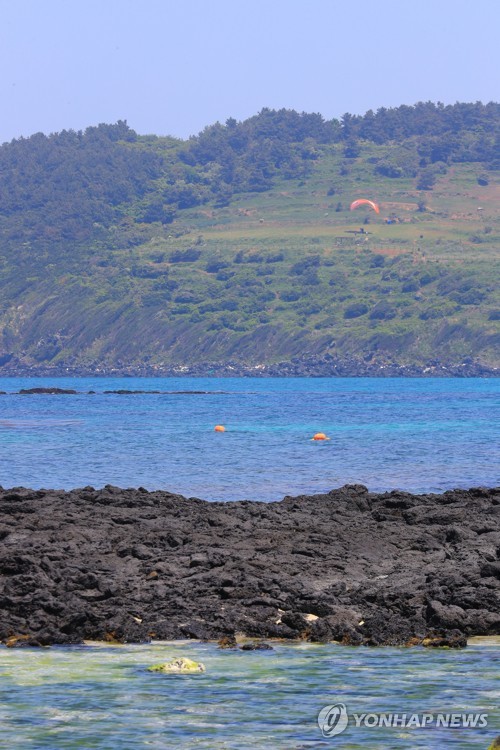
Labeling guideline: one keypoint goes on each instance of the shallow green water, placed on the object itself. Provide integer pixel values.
(102, 697)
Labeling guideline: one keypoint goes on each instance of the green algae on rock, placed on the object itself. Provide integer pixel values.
(178, 666)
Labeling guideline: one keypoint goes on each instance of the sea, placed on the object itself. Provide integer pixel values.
(423, 435)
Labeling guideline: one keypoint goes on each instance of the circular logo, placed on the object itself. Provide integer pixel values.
(333, 719)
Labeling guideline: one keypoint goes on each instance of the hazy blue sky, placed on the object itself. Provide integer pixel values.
(174, 66)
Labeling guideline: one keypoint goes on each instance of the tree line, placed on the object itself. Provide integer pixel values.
(73, 185)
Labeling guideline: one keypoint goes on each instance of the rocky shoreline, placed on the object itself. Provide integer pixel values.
(349, 566)
(306, 366)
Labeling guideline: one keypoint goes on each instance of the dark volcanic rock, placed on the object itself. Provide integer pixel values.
(123, 392)
(310, 365)
(349, 566)
(52, 391)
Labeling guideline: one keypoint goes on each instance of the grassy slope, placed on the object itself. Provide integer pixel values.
(437, 280)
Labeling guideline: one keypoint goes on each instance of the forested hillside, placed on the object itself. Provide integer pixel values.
(121, 250)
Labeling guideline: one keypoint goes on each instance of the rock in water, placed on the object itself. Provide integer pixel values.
(227, 641)
(178, 666)
(50, 391)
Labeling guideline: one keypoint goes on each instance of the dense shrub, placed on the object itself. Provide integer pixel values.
(377, 261)
(355, 310)
(243, 257)
(410, 286)
(275, 257)
(382, 311)
(228, 304)
(312, 261)
(215, 265)
(224, 275)
(291, 295)
(189, 255)
(468, 297)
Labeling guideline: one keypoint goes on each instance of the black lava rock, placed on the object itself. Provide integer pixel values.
(349, 565)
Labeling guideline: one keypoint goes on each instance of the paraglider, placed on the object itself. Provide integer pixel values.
(365, 202)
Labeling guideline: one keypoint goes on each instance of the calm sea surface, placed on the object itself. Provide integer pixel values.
(414, 434)
(418, 435)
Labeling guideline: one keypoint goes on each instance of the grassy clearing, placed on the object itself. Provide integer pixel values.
(303, 211)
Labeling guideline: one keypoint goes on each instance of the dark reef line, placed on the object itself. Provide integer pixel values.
(349, 566)
(56, 391)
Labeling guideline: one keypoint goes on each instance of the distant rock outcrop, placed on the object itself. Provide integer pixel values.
(50, 391)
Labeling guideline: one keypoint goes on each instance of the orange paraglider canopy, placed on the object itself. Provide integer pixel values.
(365, 202)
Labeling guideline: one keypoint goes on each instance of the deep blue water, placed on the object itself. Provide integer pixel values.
(415, 434)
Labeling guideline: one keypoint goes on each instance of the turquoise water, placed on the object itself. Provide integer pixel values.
(103, 697)
(414, 434)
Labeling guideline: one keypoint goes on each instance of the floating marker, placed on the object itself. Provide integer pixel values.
(320, 436)
(219, 428)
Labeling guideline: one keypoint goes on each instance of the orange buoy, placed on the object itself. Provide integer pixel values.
(320, 436)
(219, 428)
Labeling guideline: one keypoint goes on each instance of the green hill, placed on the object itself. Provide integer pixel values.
(119, 250)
